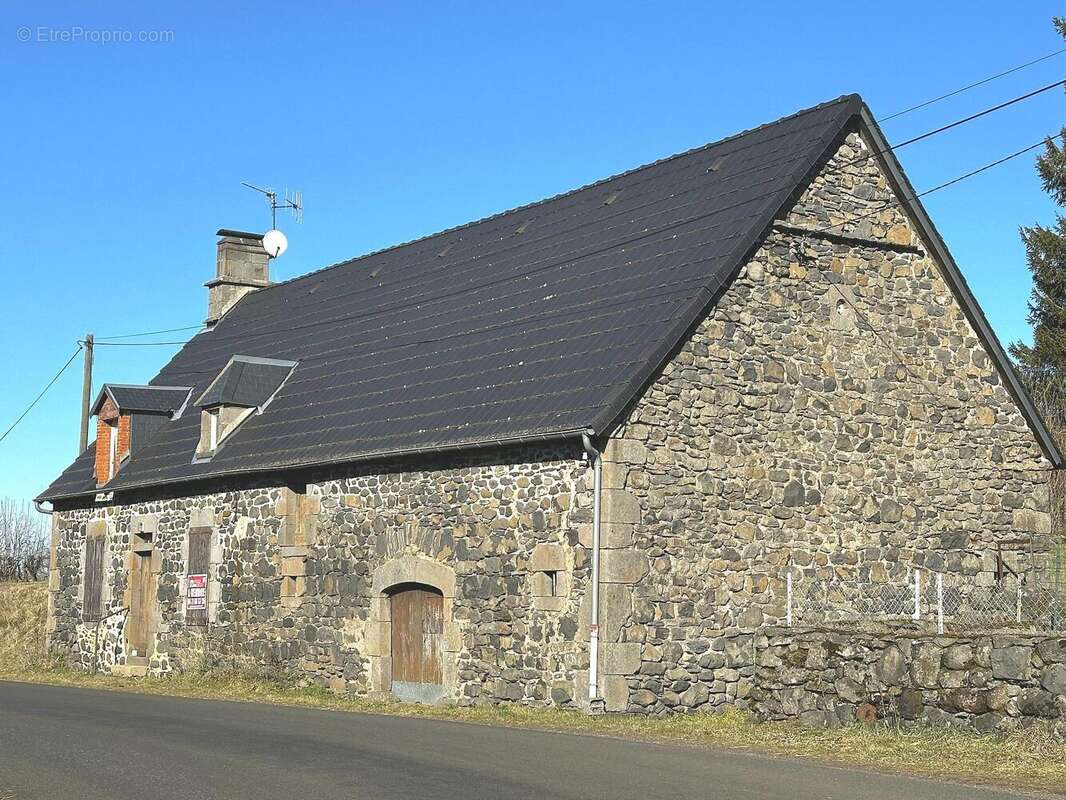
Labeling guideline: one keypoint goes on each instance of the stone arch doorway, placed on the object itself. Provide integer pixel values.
(413, 642)
(417, 642)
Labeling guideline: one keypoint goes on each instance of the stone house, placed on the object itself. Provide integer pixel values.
(560, 455)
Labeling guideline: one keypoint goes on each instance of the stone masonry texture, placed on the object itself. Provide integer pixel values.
(834, 414)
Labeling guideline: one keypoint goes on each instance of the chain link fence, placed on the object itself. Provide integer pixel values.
(1033, 601)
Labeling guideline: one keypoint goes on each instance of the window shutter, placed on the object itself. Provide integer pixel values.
(94, 578)
(199, 564)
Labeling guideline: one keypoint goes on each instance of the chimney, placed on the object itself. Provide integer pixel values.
(243, 267)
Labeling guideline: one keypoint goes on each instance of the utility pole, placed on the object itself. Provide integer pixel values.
(86, 393)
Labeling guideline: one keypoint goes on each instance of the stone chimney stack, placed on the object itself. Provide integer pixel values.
(243, 267)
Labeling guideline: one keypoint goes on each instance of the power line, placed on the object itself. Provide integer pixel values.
(688, 220)
(39, 396)
(150, 333)
(140, 344)
(979, 114)
(973, 85)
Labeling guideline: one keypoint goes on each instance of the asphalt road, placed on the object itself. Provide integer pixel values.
(78, 743)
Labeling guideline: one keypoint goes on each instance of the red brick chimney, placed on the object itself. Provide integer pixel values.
(112, 441)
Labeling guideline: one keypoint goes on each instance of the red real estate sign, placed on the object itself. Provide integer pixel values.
(196, 597)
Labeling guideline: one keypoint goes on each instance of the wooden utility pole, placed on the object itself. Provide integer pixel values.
(86, 393)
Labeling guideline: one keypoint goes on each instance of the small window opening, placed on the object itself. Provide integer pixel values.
(142, 542)
(552, 583)
(212, 423)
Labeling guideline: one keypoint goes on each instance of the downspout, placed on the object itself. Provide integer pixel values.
(594, 621)
(37, 505)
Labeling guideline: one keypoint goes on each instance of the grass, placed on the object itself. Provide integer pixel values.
(1031, 759)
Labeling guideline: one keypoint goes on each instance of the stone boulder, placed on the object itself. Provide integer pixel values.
(1011, 663)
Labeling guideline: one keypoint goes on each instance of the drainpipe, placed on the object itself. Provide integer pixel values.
(594, 622)
(37, 505)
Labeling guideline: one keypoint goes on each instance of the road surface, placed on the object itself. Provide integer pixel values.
(58, 742)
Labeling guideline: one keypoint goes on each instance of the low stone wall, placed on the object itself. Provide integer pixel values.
(982, 682)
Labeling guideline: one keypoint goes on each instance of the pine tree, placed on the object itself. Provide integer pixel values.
(1043, 364)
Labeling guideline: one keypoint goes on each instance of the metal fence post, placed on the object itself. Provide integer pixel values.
(940, 603)
(788, 599)
(917, 595)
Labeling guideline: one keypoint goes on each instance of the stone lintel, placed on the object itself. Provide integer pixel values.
(201, 518)
(548, 557)
(144, 523)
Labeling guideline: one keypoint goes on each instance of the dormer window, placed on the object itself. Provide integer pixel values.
(244, 387)
(127, 417)
(218, 422)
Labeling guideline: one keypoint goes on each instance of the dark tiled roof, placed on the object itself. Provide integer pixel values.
(151, 399)
(539, 322)
(246, 381)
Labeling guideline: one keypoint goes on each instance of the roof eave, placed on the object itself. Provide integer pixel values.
(380, 455)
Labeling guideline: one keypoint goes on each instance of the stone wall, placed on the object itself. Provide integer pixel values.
(298, 577)
(835, 414)
(982, 682)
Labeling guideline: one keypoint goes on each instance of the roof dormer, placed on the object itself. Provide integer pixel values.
(126, 419)
(244, 387)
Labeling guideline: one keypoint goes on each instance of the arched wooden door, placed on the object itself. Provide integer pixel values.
(417, 615)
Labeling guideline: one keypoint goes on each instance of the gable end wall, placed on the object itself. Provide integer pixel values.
(785, 435)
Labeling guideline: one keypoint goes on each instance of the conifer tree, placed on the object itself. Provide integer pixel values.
(1043, 363)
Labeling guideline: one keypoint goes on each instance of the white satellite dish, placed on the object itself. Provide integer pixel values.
(274, 242)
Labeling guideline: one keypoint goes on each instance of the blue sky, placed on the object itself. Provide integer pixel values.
(122, 158)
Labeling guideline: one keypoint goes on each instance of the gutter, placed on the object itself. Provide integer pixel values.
(37, 506)
(594, 621)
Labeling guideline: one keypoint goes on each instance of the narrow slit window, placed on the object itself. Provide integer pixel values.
(93, 580)
(552, 583)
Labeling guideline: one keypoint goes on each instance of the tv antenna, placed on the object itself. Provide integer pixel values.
(294, 202)
(274, 241)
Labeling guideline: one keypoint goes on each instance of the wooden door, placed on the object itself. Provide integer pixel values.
(142, 605)
(417, 633)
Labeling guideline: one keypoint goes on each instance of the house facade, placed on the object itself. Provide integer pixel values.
(565, 455)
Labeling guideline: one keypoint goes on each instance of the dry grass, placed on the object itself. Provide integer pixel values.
(1031, 759)
(22, 616)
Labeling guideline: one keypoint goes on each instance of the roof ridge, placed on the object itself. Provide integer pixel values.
(499, 214)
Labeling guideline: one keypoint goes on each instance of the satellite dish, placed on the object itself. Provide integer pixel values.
(274, 242)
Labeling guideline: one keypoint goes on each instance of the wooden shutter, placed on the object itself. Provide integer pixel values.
(199, 564)
(94, 578)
